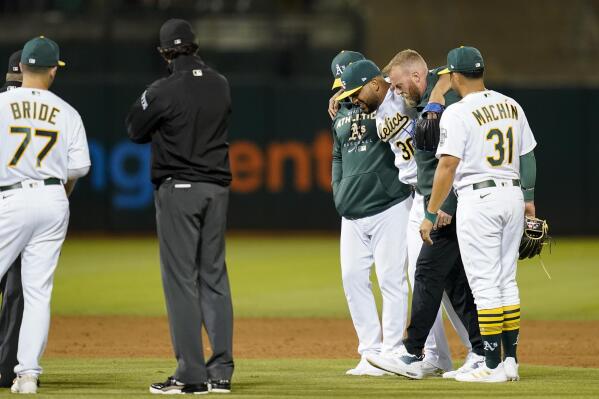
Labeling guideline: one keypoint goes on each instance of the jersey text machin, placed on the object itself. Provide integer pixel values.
(493, 112)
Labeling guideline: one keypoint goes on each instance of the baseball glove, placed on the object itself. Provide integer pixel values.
(426, 136)
(535, 237)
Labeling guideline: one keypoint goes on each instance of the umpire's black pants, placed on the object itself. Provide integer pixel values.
(11, 315)
(439, 268)
(191, 222)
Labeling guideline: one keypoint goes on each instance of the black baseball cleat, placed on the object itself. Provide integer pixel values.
(219, 386)
(172, 387)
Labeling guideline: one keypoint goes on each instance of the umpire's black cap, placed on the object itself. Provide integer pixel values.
(13, 62)
(175, 32)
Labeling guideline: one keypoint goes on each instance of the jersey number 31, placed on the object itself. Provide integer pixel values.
(500, 146)
(50, 135)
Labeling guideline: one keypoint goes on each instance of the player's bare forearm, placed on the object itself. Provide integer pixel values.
(70, 186)
(529, 209)
(438, 93)
(442, 182)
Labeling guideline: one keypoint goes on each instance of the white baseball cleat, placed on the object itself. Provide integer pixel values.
(473, 361)
(26, 383)
(484, 374)
(511, 369)
(364, 368)
(429, 369)
(404, 364)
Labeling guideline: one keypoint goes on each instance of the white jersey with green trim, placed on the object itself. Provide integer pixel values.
(395, 122)
(489, 132)
(42, 137)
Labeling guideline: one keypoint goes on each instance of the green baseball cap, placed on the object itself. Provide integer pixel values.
(356, 75)
(463, 59)
(342, 60)
(41, 51)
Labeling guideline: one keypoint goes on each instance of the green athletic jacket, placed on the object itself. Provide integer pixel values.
(365, 179)
(426, 161)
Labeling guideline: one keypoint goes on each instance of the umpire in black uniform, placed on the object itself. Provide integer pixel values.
(11, 312)
(185, 117)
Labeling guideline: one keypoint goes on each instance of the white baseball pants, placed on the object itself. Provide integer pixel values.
(381, 239)
(33, 223)
(489, 226)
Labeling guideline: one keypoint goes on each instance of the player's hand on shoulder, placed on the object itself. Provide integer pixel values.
(529, 209)
(334, 104)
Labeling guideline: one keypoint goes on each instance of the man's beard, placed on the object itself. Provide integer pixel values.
(368, 107)
(412, 97)
(373, 103)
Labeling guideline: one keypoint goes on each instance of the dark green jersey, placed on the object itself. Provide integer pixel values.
(426, 161)
(365, 179)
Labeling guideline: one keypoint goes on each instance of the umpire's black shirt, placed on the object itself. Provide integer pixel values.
(185, 116)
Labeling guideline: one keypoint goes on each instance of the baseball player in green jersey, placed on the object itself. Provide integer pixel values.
(374, 207)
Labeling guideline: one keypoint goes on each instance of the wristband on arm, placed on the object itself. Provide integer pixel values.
(430, 216)
(433, 107)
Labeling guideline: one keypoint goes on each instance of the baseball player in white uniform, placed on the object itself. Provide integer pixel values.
(44, 150)
(395, 124)
(485, 150)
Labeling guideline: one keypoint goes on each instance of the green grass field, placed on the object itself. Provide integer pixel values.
(118, 378)
(295, 277)
(292, 277)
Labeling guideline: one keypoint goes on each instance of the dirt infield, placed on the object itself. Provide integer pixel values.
(542, 342)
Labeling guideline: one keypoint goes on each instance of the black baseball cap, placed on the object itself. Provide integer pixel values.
(41, 51)
(13, 62)
(175, 32)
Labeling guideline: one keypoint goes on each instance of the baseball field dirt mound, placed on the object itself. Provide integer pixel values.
(562, 343)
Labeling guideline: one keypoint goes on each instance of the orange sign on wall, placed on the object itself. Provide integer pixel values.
(255, 168)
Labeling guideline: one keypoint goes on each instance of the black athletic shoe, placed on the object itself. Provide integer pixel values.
(220, 386)
(173, 386)
(196, 389)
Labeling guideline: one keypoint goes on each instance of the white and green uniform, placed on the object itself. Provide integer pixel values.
(395, 124)
(488, 132)
(374, 207)
(43, 146)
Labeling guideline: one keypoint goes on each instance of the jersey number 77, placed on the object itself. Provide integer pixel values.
(50, 135)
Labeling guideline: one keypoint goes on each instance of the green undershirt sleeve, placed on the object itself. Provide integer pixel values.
(450, 204)
(528, 175)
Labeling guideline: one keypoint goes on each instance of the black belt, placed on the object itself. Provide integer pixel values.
(53, 181)
(491, 183)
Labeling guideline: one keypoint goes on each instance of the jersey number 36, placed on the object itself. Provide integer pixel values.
(406, 148)
(49, 135)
